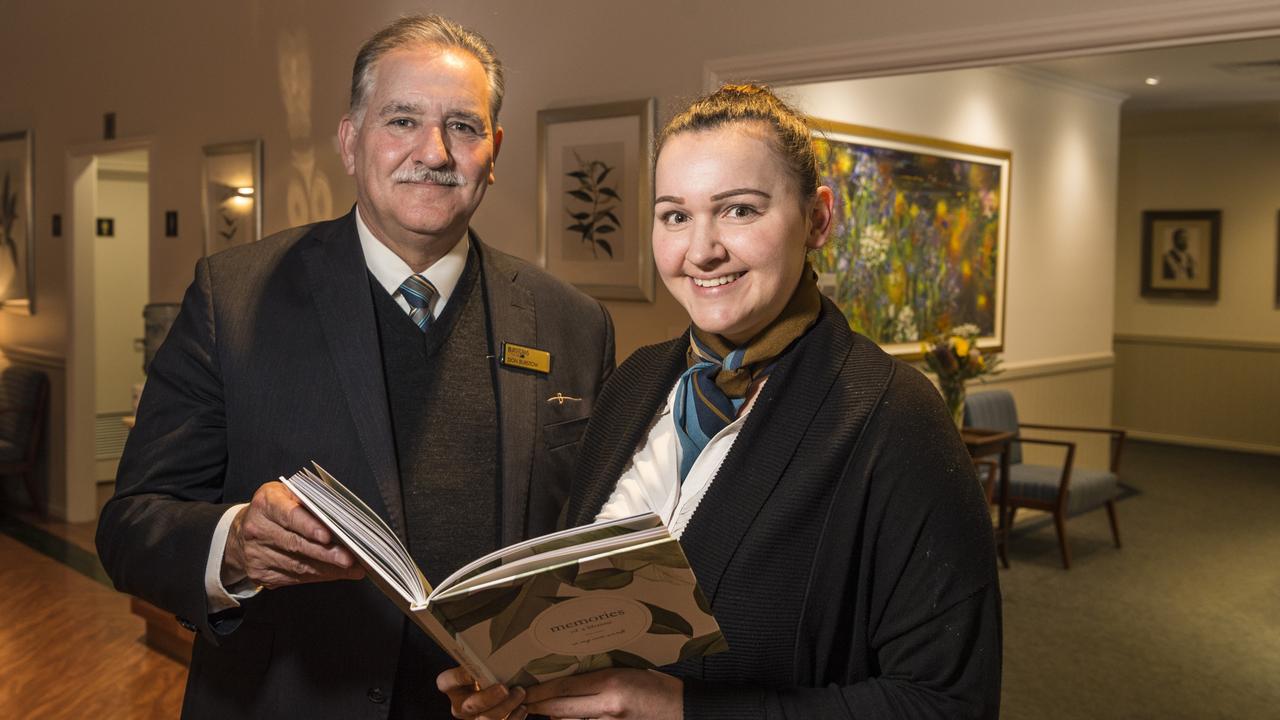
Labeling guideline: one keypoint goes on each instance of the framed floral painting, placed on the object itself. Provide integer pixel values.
(17, 263)
(919, 242)
(595, 197)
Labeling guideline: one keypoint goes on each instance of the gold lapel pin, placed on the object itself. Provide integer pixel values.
(561, 398)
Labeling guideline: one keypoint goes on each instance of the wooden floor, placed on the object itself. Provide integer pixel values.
(69, 647)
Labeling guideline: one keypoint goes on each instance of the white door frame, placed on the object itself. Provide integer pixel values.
(1092, 33)
(81, 408)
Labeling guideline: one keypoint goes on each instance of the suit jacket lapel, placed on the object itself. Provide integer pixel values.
(512, 318)
(340, 286)
(765, 447)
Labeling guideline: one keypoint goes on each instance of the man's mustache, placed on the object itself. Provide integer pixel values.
(421, 174)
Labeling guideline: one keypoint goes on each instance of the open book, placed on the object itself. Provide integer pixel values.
(613, 594)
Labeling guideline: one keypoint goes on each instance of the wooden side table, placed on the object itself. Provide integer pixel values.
(983, 442)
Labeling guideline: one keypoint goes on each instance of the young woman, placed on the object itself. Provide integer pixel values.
(818, 486)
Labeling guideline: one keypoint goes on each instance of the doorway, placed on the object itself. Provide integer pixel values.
(110, 209)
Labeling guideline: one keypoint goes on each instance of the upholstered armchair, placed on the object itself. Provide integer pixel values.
(24, 400)
(1062, 490)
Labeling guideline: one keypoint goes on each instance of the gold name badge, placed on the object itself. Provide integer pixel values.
(526, 358)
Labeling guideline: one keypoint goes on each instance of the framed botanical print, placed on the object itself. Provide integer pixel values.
(595, 197)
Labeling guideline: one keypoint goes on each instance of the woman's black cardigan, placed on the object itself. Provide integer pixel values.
(844, 543)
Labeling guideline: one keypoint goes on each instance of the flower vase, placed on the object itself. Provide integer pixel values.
(953, 393)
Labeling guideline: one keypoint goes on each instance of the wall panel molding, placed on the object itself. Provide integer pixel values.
(1199, 391)
(37, 357)
(1208, 343)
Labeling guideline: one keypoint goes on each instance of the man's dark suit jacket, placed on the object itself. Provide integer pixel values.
(274, 361)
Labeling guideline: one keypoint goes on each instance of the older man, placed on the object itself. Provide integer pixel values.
(446, 383)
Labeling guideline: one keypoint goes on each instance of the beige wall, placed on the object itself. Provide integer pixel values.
(1064, 144)
(1202, 372)
(120, 288)
(1236, 171)
(1064, 140)
(187, 75)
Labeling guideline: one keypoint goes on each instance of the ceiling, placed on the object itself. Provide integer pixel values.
(1226, 73)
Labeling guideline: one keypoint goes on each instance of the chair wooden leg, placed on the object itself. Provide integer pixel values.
(1060, 522)
(1115, 528)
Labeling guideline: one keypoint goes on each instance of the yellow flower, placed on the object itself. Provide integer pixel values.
(941, 210)
(982, 301)
(966, 270)
(961, 346)
(899, 204)
(844, 163)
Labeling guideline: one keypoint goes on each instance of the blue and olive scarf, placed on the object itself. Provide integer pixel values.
(714, 387)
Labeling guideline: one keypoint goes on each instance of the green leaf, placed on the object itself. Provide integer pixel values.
(524, 680)
(600, 178)
(708, 644)
(583, 215)
(609, 214)
(604, 244)
(606, 229)
(477, 607)
(578, 174)
(621, 658)
(537, 594)
(605, 579)
(610, 192)
(579, 227)
(701, 599)
(584, 197)
(567, 574)
(666, 622)
(550, 664)
(600, 661)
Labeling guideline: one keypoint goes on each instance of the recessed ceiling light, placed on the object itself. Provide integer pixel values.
(1153, 80)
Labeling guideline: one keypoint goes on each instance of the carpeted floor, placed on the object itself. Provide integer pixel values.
(1183, 622)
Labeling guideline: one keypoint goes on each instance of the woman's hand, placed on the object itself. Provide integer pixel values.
(614, 693)
(493, 703)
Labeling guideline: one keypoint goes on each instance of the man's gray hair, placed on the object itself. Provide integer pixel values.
(415, 30)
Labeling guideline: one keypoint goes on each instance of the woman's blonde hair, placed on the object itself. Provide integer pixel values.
(753, 104)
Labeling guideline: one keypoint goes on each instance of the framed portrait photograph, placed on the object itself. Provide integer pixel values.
(595, 197)
(232, 182)
(17, 262)
(1180, 253)
(919, 241)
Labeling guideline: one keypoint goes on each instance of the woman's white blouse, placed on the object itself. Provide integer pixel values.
(651, 482)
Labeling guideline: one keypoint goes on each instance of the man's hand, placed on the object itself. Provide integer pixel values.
(495, 702)
(276, 542)
(614, 693)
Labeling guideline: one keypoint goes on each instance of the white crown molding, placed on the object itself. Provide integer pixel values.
(1061, 83)
(1124, 28)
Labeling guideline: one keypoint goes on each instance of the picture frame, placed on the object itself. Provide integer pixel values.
(231, 184)
(1180, 250)
(920, 237)
(1277, 305)
(17, 225)
(595, 197)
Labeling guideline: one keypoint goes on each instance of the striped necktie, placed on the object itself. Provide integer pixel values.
(419, 292)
